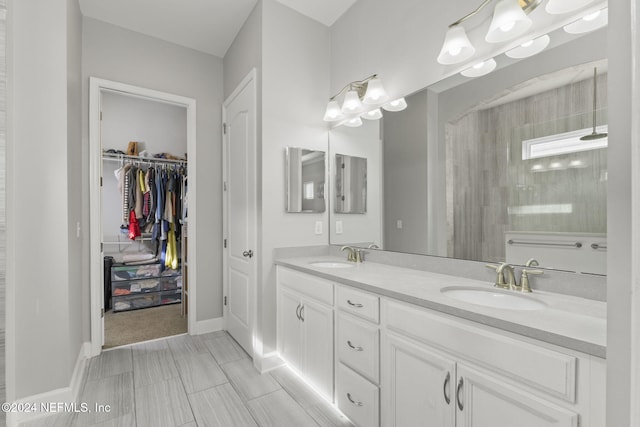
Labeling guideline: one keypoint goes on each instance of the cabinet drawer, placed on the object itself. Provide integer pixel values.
(357, 398)
(540, 367)
(359, 346)
(319, 289)
(359, 303)
(128, 272)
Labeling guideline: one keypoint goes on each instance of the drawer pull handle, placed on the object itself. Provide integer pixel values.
(355, 347)
(355, 402)
(302, 312)
(460, 384)
(352, 304)
(298, 311)
(445, 387)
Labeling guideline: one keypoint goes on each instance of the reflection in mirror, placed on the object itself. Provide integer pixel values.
(351, 184)
(494, 168)
(306, 171)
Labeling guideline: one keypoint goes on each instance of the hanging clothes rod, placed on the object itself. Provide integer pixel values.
(120, 157)
(571, 245)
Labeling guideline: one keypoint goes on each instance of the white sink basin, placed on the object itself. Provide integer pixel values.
(332, 264)
(495, 298)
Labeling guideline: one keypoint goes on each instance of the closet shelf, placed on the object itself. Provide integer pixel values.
(150, 160)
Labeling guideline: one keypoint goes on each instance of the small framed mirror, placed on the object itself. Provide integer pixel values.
(305, 180)
(351, 184)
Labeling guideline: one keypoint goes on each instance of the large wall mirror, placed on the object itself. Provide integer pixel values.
(504, 167)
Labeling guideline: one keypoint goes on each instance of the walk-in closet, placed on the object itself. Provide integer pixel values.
(144, 218)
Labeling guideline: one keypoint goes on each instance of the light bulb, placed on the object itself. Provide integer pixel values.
(353, 123)
(529, 48)
(395, 105)
(372, 115)
(480, 69)
(333, 112)
(375, 92)
(455, 51)
(508, 26)
(456, 47)
(509, 21)
(352, 103)
(591, 16)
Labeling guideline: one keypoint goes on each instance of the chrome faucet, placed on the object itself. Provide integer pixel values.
(353, 254)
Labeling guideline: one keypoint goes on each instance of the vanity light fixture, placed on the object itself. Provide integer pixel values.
(362, 99)
(530, 48)
(557, 7)
(509, 21)
(480, 69)
(589, 22)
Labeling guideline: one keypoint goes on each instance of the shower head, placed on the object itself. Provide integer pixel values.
(593, 135)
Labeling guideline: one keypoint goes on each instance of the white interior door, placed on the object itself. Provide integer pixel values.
(240, 212)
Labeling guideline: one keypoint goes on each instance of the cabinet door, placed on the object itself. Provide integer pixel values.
(484, 401)
(290, 333)
(417, 385)
(318, 345)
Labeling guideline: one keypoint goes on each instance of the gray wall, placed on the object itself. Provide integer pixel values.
(113, 53)
(405, 177)
(245, 53)
(44, 283)
(622, 192)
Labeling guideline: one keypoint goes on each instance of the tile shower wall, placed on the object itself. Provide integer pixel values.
(487, 177)
(3, 222)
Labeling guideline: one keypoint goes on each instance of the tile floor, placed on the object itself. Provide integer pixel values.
(205, 380)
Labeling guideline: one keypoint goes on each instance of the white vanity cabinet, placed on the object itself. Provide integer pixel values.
(358, 355)
(434, 367)
(397, 364)
(305, 327)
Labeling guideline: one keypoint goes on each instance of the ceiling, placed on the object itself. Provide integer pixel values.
(208, 26)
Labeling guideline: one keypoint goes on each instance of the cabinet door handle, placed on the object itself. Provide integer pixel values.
(298, 311)
(459, 388)
(354, 304)
(355, 402)
(302, 312)
(248, 254)
(445, 387)
(354, 347)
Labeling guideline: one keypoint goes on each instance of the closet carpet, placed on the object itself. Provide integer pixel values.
(128, 327)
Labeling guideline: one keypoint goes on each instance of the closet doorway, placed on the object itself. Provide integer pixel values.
(140, 141)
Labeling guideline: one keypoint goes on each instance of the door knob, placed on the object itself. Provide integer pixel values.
(247, 254)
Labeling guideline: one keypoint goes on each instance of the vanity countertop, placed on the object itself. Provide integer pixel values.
(576, 323)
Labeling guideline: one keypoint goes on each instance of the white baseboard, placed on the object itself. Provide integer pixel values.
(268, 362)
(38, 403)
(209, 325)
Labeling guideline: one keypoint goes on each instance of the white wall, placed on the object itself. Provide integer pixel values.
(295, 82)
(43, 273)
(112, 53)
